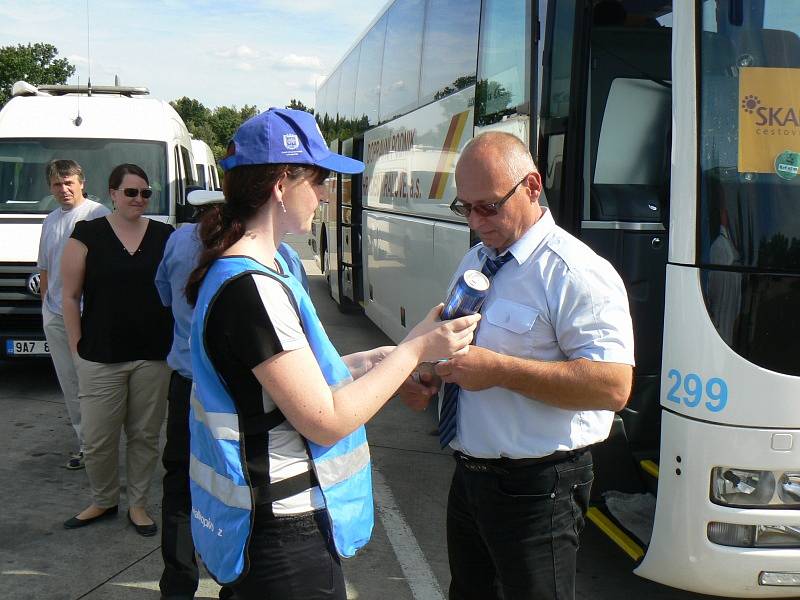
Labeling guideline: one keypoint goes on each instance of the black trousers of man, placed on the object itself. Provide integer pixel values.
(180, 577)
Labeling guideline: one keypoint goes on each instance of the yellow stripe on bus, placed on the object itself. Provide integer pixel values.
(648, 466)
(452, 141)
(619, 537)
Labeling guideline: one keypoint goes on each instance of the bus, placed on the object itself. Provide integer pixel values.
(668, 138)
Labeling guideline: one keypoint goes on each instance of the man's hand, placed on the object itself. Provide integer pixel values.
(417, 391)
(473, 371)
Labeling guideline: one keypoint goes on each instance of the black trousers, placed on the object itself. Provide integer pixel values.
(180, 577)
(513, 527)
(291, 558)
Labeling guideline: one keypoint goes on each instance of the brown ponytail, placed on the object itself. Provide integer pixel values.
(246, 190)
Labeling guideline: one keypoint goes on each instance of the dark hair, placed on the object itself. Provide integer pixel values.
(63, 168)
(247, 189)
(119, 172)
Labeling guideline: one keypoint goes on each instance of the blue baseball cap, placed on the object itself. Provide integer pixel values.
(284, 135)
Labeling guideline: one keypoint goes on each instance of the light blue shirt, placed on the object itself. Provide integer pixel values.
(180, 258)
(556, 300)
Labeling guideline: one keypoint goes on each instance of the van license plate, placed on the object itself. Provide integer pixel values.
(27, 347)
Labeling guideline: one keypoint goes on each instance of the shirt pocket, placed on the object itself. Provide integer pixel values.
(515, 317)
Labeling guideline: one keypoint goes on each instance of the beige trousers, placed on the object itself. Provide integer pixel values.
(130, 395)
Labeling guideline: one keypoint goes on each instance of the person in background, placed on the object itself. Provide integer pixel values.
(280, 476)
(119, 345)
(551, 363)
(66, 181)
(180, 577)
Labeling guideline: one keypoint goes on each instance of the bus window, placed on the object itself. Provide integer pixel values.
(347, 87)
(503, 71)
(400, 83)
(322, 100)
(332, 97)
(368, 92)
(556, 101)
(449, 53)
(749, 158)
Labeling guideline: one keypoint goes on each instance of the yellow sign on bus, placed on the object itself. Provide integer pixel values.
(769, 117)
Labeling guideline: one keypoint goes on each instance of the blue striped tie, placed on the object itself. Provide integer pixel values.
(449, 412)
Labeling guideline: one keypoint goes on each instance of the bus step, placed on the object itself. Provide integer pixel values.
(626, 519)
(649, 473)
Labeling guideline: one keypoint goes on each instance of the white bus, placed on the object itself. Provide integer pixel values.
(668, 136)
(99, 127)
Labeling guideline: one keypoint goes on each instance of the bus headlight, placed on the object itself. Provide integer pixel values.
(754, 536)
(741, 487)
(789, 488)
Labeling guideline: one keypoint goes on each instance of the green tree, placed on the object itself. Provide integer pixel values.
(296, 104)
(35, 63)
(191, 110)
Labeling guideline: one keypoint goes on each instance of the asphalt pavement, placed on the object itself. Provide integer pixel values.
(406, 559)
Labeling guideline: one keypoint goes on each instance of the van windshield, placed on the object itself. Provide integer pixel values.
(24, 187)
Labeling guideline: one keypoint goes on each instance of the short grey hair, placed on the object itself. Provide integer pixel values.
(62, 168)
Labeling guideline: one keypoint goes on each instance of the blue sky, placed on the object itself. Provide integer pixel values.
(221, 52)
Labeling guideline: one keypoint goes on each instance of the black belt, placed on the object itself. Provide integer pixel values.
(503, 466)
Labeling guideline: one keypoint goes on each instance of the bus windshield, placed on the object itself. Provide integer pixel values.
(750, 136)
(24, 187)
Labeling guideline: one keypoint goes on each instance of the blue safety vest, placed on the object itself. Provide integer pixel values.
(222, 495)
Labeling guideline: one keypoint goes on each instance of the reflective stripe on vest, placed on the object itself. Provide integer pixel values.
(222, 497)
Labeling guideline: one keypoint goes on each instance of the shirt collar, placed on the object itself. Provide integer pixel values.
(530, 240)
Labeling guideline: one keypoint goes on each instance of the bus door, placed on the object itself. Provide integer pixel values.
(348, 221)
(326, 236)
(605, 151)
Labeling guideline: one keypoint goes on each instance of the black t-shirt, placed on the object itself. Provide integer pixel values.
(250, 320)
(123, 318)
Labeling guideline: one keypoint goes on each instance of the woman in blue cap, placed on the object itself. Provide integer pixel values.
(280, 467)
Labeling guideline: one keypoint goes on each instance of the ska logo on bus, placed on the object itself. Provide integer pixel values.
(291, 141)
(690, 391)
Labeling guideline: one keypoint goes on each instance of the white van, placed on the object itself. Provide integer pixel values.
(206, 167)
(99, 128)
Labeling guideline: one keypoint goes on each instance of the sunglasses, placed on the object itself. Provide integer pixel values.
(484, 210)
(133, 192)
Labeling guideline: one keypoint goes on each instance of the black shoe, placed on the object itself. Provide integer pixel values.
(75, 522)
(145, 530)
(75, 462)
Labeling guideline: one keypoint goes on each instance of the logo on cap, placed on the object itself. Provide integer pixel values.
(291, 141)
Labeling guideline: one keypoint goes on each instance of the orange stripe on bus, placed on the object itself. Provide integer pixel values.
(451, 143)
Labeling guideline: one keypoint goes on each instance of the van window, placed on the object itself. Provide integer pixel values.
(24, 187)
(188, 172)
(201, 175)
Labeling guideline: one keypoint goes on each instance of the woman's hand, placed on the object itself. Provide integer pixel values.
(436, 340)
(359, 363)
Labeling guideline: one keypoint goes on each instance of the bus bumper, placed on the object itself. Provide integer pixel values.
(680, 553)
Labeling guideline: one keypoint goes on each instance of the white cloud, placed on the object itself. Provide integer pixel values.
(293, 61)
(238, 52)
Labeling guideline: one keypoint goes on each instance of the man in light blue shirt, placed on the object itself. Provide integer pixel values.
(550, 364)
(180, 577)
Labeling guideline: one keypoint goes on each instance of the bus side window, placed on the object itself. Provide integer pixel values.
(629, 124)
